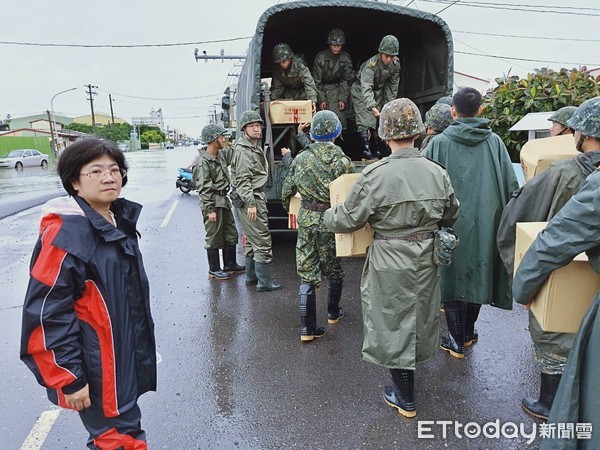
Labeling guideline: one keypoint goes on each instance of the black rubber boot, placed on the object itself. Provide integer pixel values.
(454, 341)
(366, 154)
(308, 314)
(334, 295)
(402, 395)
(541, 407)
(378, 144)
(214, 266)
(471, 335)
(229, 260)
(251, 279)
(265, 282)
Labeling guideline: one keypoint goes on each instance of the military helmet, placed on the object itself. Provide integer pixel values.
(447, 100)
(439, 117)
(281, 52)
(249, 117)
(389, 45)
(336, 37)
(563, 114)
(400, 119)
(325, 126)
(586, 119)
(211, 132)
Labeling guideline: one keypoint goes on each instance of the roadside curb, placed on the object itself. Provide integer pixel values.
(21, 202)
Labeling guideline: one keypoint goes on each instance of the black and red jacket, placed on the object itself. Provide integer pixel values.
(86, 317)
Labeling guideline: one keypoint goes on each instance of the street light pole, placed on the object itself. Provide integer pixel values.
(54, 132)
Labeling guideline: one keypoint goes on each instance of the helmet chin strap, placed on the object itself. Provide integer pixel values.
(579, 144)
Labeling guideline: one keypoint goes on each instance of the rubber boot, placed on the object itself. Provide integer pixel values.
(366, 154)
(308, 314)
(214, 266)
(229, 260)
(334, 295)
(471, 335)
(251, 279)
(454, 341)
(378, 144)
(402, 395)
(263, 273)
(541, 407)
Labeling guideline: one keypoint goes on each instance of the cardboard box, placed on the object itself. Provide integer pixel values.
(293, 212)
(565, 297)
(290, 111)
(537, 154)
(349, 244)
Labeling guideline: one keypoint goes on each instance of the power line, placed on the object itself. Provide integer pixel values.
(568, 8)
(487, 54)
(173, 44)
(528, 60)
(161, 99)
(491, 6)
(527, 37)
(449, 6)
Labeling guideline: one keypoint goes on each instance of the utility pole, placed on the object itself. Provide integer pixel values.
(54, 139)
(91, 100)
(112, 115)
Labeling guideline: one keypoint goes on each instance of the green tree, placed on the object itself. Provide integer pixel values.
(143, 128)
(151, 136)
(81, 127)
(541, 91)
(116, 132)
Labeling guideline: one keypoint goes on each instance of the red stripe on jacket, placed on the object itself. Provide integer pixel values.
(54, 375)
(91, 308)
(48, 263)
(113, 439)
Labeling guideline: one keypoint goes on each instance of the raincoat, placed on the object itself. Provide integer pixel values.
(484, 180)
(398, 196)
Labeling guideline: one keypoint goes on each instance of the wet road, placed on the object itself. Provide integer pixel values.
(234, 373)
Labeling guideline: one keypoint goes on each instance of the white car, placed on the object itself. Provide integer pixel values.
(24, 157)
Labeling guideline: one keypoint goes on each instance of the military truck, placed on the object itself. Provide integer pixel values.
(426, 58)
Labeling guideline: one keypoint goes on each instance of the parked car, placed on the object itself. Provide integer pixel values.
(23, 158)
(124, 147)
(169, 144)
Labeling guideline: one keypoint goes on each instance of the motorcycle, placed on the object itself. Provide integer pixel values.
(184, 181)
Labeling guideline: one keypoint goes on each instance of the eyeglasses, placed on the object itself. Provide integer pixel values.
(99, 175)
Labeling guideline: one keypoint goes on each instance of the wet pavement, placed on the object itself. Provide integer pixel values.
(234, 373)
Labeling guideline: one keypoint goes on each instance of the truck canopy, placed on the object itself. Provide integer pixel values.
(426, 52)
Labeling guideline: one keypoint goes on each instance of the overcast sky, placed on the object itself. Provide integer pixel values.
(31, 75)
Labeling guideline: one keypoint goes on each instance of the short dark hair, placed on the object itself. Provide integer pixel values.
(467, 102)
(77, 155)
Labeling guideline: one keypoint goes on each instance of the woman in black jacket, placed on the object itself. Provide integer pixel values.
(88, 334)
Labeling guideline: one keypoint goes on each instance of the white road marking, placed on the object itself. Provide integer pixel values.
(169, 214)
(40, 430)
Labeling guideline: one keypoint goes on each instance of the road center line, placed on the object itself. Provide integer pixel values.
(169, 214)
(40, 430)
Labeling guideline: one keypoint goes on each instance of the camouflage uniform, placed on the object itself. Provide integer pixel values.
(331, 74)
(310, 175)
(294, 83)
(376, 85)
(249, 173)
(212, 179)
(438, 118)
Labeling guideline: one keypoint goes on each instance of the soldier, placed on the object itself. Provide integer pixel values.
(446, 100)
(377, 84)
(572, 231)
(559, 121)
(437, 120)
(333, 74)
(249, 173)
(405, 198)
(212, 179)
(483, 177)
(310, 175)
(539, 200)
(291, 78)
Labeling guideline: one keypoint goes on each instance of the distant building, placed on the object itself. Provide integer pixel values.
(154, 120)
(33, 121)
(100, 118)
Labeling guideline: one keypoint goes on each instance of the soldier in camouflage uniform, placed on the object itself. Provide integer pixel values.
(377, 84)
(437, 120)
(310, 175)
(212, 179)
(405, 198)
(249, 173)
(559, 121)
(447, 100)
(291, 78)
(333, 74)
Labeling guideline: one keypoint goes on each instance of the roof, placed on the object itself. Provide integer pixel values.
(533, 121)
